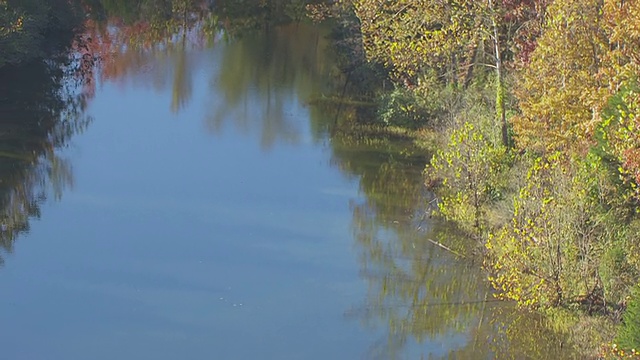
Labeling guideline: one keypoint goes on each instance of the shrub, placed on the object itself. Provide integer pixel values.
(629, 332)
(560, 246)
(468, 170)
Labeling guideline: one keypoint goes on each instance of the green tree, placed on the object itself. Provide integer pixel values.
(452, 37)
(468, 169)
(567, 216)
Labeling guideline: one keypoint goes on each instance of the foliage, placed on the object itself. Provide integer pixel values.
(430, 103)
(408, 36)
(526, 21)
(558, 91)
(570, 238)
(414, 36)
(566, 217)
(621, 19)
(452, 38)
(629, 333)
(469, 169)
(416, 287)
(613, 352)
(571, 235)
(408, 108)
(617, 269)
(587, 52)
(621, 133)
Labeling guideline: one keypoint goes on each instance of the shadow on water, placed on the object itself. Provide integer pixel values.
(41, 108)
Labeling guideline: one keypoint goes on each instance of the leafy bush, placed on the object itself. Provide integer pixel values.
(468, 170)
(402, 107)
(629, 332)
(428, 102)
(560, 246)
(616, 272)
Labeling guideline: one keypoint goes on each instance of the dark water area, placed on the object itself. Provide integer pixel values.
(186, 201)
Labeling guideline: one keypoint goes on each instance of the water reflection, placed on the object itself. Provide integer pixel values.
(417, 292)
(41, 108)
(433, 302)
(259, 77)
(155, 64)
(421, 293)
(262, 75)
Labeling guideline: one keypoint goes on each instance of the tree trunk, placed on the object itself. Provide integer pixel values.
(501, 115)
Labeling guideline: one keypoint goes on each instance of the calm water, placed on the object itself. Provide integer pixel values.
(207, 213)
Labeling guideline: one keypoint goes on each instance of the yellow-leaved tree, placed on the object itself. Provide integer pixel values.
(621, 128)
(588, 51)
(560, 92)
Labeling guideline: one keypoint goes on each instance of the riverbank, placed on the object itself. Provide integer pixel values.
(551, 206)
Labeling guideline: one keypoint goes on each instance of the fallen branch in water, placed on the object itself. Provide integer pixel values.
(341, 101)
(446, 248)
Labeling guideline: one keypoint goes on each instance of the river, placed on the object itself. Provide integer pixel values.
(191, 203)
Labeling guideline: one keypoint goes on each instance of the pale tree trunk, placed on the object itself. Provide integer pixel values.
(501, 115)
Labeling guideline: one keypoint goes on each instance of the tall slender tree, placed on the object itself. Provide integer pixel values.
(454, 37)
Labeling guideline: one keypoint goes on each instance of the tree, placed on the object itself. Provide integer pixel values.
(587, 52)
(453, 37)
(567, 217)
(621, 122)
(469, 167)
(559, 93)
(408, 36)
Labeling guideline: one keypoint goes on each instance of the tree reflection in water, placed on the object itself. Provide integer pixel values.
(260, 76)
(41, 108)
(427, 298)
